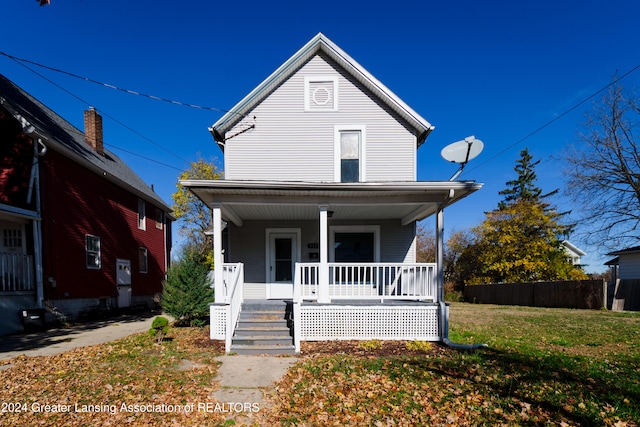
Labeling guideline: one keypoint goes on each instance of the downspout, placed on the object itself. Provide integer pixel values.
(34, 188)
(444, 308)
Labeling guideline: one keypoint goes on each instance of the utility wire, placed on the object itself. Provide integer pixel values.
(106, 115)
(555, 119)
(110, 86)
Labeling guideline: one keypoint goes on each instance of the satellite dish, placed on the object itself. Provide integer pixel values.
(461, 152)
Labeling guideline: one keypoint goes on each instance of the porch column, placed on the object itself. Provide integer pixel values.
(323, 273)
(217, 255)
(444, 310)
(440, 254)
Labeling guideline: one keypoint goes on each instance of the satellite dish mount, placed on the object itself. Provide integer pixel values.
(462, 152)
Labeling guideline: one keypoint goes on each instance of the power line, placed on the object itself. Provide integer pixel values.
(106, 115)
(555, 119)
(110, 86)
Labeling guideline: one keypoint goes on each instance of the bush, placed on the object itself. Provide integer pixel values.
(187, 293)
(419, 345)
(370, 345)
(159, 328)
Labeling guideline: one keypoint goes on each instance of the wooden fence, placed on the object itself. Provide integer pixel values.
(626, 296)
(589, 294)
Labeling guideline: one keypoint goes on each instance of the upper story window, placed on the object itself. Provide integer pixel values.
(141, 215)
(349, 154)
(159, 219)
(321, 93)
(92, 246)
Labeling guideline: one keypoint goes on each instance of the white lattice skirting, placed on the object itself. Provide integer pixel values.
(218, 321)
(345, 322)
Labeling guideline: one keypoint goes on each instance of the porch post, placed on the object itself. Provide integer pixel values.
(444, 310)
(217, 255)
(440, 254)
(323, 273)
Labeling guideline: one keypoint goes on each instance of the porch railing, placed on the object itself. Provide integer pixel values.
(370, 281)
(16, 272)
(233, 276)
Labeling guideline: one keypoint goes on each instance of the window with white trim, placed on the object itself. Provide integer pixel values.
(142, 260)
(159, 219)
(92, 247)
(349, 154)
(354, 243)
(321, 93)
(141, 215)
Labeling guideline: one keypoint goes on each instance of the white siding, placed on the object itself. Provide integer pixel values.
(291, 144)
(629, 266)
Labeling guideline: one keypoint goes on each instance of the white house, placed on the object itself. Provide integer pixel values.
(319, 204)
(573, 252)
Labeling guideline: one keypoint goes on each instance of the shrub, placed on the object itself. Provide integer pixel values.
(159, 328)
(187, 293)
(370, 345)
(419, 345)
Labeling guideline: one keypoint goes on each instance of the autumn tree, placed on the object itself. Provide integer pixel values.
(193, 216)
(521, 240)
(603, 172)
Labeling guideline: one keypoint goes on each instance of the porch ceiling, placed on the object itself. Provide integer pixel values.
(265, 200)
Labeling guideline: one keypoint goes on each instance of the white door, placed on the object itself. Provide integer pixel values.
(123, 278)
(281, 259)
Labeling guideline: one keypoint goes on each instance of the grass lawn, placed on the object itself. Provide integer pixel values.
(543, 367)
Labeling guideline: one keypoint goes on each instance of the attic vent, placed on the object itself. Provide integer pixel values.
(321, 93)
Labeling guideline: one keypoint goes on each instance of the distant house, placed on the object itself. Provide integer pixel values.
(573, 252)
(320, 201)
(625, 274)
(79, 230)
(627, 262)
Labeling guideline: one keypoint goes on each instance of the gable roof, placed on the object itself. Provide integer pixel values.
(320, 43)
(573, 248)
(60, 135)
(632, 250)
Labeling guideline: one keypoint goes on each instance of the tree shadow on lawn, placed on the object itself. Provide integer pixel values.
(554, 383)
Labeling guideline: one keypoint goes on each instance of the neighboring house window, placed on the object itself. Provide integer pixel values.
(92, 245)
(321, 93)
(141, 215)
(142, 260)
(159, 219)
(12, 238)
(349, 152)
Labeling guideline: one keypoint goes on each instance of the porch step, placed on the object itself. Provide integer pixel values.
(263, 328)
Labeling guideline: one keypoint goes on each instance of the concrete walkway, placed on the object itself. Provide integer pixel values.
(59, 340)
(242, 379)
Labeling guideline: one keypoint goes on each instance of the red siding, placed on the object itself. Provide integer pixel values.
(77, 202)
(16, 157)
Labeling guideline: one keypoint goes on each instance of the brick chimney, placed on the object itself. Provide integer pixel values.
(93, 130)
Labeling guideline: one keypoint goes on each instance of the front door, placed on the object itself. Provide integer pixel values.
(123, 278)
(281, 259)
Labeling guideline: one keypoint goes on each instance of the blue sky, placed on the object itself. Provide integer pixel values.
(498, 70)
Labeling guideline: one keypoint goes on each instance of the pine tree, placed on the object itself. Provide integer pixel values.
(524, 186)
(187, 293)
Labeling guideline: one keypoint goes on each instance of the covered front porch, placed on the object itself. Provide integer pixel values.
(344, 255)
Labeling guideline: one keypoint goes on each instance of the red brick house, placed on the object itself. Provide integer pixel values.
(79, 230)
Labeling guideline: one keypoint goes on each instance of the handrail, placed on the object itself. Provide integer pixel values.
(234, 286)
(369, 281)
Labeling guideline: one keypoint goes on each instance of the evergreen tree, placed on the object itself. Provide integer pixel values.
(524, 186)
(187, 292)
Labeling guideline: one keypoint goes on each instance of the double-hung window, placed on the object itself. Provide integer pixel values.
(349, 154)
(92, 247)
(141, 215)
